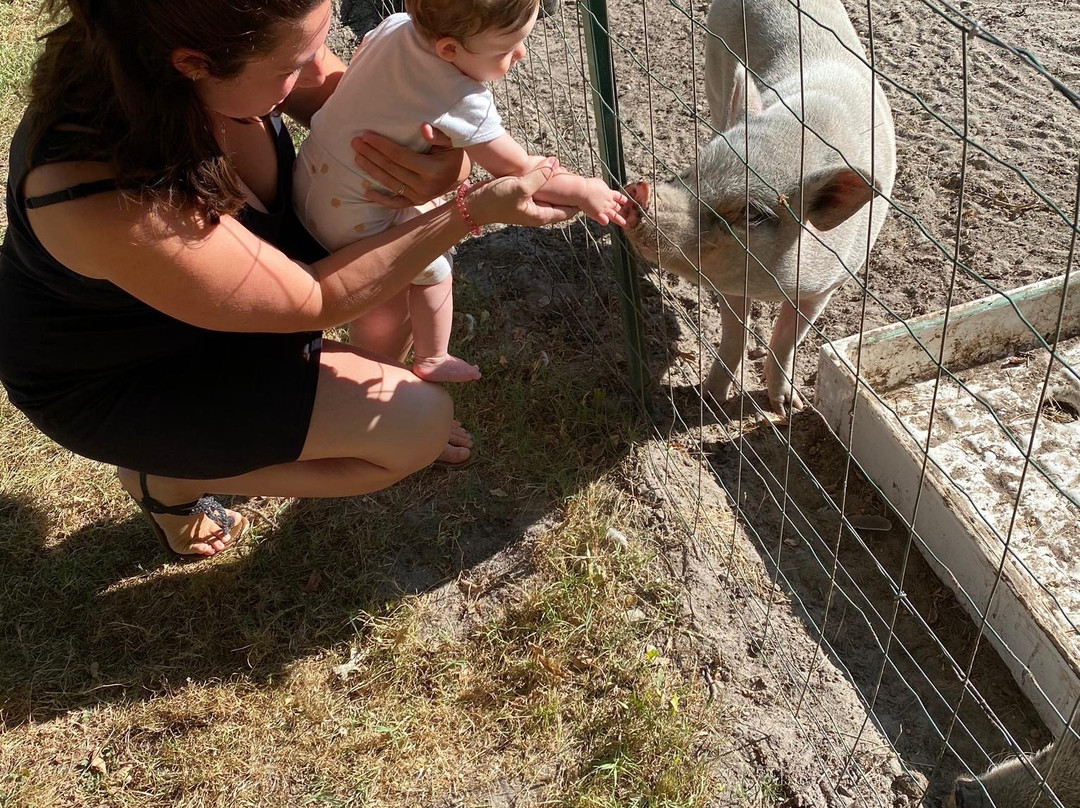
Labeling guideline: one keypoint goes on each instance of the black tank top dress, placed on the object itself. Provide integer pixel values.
(115, 380)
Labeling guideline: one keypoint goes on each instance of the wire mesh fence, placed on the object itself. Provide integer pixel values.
(923, 518)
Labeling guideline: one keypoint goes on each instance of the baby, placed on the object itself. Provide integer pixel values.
(427, 66)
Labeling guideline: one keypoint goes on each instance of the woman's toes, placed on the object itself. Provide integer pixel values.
(459, 437)
(209, 538)
(455, 454)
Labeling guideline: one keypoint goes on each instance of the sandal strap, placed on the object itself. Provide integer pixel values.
(214, 511)
(206, 505)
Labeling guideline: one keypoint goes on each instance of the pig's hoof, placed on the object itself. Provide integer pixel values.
(717, 394)
(788, 401)
(718, 384)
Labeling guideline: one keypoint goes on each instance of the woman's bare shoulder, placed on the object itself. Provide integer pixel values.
(214, 275)
(52, 177)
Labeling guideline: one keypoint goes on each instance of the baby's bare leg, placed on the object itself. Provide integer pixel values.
(431, 309)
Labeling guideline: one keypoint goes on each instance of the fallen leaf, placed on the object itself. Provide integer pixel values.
(468, 588)
(469, 331)
(96, 763)
(541, 362)
(345, 669)
(547, 663)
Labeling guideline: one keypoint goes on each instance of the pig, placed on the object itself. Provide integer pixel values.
(849, 157)
(1012, 785)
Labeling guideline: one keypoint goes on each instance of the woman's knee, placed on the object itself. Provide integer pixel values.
(377, 412)
(385, 330)
(430, 414)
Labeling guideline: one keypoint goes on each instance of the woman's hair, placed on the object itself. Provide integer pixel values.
(107, 67)
(462, 19)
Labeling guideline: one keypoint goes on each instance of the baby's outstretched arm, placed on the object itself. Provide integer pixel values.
(504, 157)
(590, 194)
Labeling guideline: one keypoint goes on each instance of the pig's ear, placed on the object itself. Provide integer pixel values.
(745, 97)
(834, 195)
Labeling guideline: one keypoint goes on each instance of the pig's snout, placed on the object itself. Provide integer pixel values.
(639, 192)
(637, 202)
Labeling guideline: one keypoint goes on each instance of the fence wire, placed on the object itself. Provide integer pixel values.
(967, 363)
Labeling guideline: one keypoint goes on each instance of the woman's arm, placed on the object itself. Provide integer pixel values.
(222, 277)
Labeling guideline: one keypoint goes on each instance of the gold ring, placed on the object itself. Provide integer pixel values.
(401, 190)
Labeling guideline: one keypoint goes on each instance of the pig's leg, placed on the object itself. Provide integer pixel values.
(789, 330)
(734, 312)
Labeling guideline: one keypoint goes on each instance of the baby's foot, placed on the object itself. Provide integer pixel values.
(445, 368)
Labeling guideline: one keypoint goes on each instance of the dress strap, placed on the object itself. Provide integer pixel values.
(74, 192)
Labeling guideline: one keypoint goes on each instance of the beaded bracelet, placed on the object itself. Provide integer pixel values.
(462, 191)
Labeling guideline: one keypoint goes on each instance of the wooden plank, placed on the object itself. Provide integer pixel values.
(979, 331)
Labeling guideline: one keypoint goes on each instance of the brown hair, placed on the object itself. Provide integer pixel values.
(107, 67)
(461, 19)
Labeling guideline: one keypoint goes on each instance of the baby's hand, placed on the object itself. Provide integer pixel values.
(601, 204)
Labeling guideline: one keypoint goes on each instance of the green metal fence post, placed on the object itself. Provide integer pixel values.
(606, 107)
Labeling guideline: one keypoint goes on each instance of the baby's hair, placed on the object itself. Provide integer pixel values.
(462, 19)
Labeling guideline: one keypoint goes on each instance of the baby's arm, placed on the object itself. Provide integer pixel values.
(504, 157)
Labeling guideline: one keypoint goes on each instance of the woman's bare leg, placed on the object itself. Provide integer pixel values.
(387, 332)
(372, 424)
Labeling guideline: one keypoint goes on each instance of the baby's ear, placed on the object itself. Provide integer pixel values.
(447, 48)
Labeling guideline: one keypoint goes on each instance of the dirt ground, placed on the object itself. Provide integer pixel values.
(900, 660)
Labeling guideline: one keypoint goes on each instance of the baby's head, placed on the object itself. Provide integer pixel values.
(482, 38)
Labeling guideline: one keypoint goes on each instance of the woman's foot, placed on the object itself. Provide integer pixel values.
(193, 534)
(458, 449)
(445, 368)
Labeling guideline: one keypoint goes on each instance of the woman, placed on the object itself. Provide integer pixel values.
(160, 305)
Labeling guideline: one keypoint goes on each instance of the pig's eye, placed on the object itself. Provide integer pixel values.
(758, 216)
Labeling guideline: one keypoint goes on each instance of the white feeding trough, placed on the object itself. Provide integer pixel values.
(982, 506)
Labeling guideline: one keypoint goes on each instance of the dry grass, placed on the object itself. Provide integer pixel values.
(127, 683)
(18, 27)
(496, 644)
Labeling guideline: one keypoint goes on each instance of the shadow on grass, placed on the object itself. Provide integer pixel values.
(97, 618)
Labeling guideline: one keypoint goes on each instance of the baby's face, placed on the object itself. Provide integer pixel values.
(489, 55)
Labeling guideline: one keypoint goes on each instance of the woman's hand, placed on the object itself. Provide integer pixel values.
(509, 200)
(413, 178)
